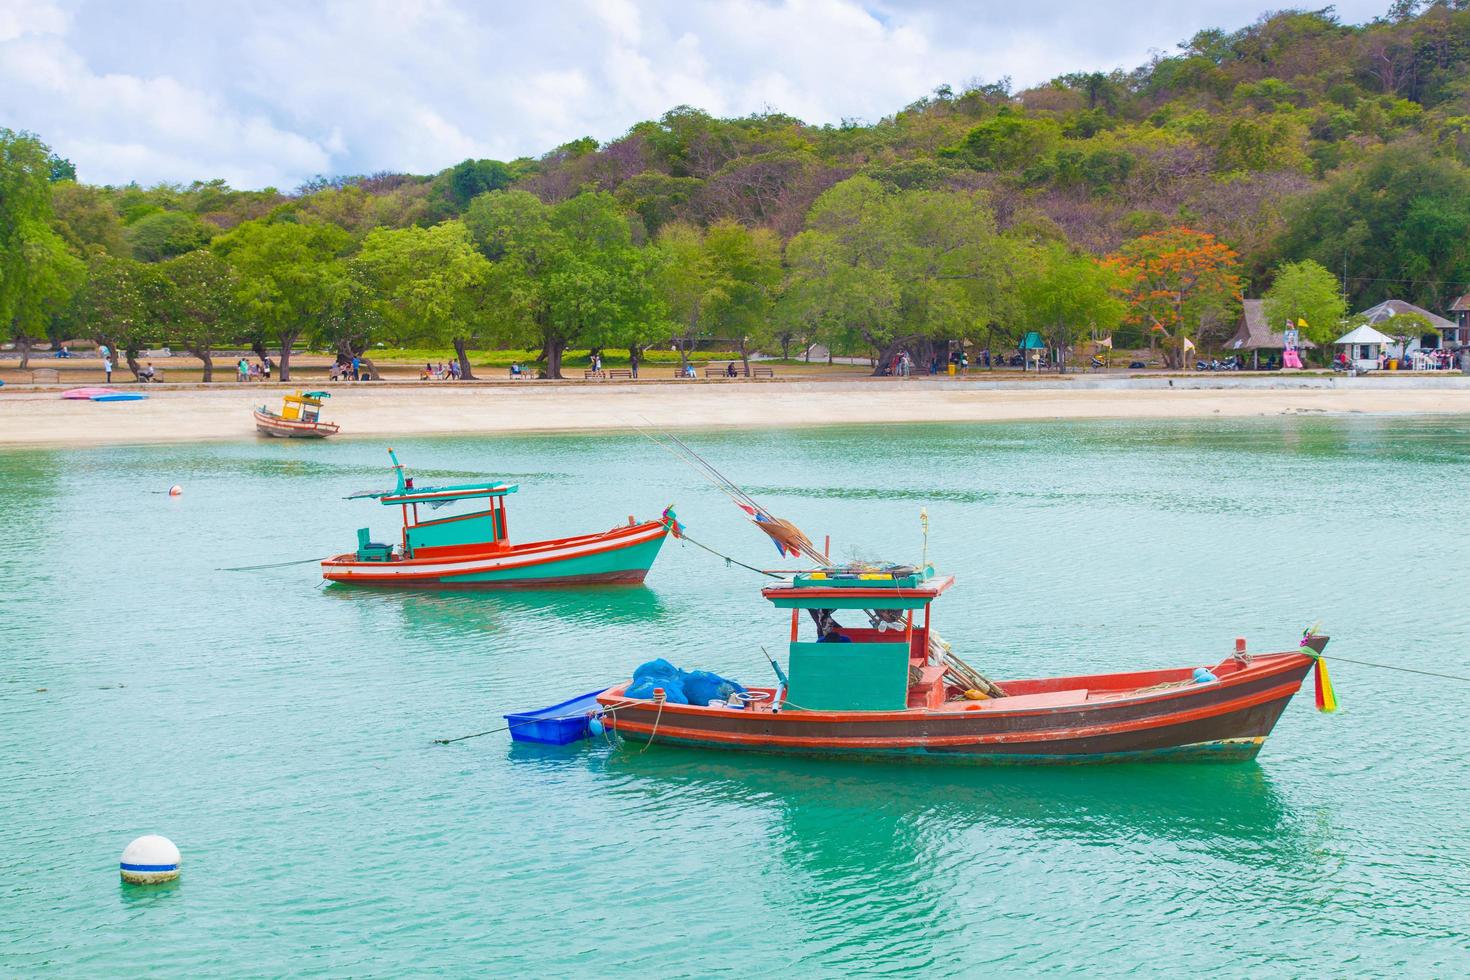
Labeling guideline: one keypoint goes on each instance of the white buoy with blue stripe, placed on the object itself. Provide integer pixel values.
(150, 860)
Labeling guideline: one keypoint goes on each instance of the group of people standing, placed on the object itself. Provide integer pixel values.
(440, 372)
(260, 371)
(346, 369)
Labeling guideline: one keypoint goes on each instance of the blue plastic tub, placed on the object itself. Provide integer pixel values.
(559, 724)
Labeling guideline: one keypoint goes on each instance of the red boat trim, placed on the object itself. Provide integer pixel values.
(276, 422)
(1259, 670)
(1282, 691)
(444, 567)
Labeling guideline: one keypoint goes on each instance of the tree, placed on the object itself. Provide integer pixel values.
(286, 273)
(1064, 296)
(1174, 281)
(352, 317)
(747, 267)
(559, 272)
(109, 307)
(431, 282)
(165, 234)
(1306, 291)
(901, 269)
(471, 178)
(85, 217)
(205, 307)
(1400, 221)
(687, 283)
(37, 273)
(641, 318)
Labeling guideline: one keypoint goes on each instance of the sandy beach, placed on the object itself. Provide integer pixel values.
(40, 417)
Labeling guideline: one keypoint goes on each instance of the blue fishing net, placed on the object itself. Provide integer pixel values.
(680, 686)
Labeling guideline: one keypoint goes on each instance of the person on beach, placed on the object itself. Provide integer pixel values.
(242, 370)
(147, 374)
(265, 367)
(107, 363)
(356, 368)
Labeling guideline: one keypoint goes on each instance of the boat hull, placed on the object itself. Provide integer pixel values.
(1227, 720)
(273, 425)
(621, 556)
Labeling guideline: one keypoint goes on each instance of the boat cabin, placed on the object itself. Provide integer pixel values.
(860, 639)
(481, 529)
(304, 406)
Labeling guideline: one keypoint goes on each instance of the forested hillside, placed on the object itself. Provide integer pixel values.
(1142, 204)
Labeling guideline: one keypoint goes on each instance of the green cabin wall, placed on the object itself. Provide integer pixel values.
(475, 528)
(849, 676)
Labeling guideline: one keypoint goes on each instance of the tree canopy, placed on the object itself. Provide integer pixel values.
(1263, 160)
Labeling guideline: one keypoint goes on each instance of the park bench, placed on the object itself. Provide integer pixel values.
(624, 373)
(42, 376)
(719, 372)
(590, 374)
(762, 372)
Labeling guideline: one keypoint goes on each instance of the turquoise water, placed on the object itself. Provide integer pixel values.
(281, 733)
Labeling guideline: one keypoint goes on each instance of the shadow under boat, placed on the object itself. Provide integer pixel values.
(484, 609)
(1125, 802)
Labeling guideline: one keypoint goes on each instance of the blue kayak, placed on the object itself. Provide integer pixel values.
(119, 396)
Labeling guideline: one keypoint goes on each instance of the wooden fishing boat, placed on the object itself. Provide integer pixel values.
(299, 418)
(892, 688)
(473, 551)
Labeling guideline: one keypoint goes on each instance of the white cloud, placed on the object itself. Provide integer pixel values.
(274, 91)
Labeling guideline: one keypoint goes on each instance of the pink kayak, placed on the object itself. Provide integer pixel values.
(84, 394)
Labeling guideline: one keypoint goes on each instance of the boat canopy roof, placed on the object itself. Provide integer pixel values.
(899, 587)
(407, 493)
(308, 397)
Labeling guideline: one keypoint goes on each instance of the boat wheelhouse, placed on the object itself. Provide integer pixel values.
(892, 688)
(299, 418)
(472, 549)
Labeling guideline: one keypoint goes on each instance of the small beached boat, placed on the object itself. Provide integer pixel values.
(300, 418)
(85, 394)
(894, 689)
(473, 550)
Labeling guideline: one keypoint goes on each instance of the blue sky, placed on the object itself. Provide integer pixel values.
(270, 92)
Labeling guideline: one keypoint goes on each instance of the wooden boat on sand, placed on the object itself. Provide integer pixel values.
(893, 689)
(299, 418)
(473, 551)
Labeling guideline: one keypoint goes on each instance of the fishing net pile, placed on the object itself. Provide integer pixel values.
(680, 686)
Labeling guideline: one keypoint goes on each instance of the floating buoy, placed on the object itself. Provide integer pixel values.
(175, 490)
(1203, 675)
(595, 726)
(150, 860)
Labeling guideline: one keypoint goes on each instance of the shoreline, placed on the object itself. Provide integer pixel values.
(38, 417)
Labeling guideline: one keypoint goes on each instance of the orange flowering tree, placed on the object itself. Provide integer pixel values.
(1176, 282)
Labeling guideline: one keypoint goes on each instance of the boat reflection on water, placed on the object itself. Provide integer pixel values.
(588, 607)
(853, 851)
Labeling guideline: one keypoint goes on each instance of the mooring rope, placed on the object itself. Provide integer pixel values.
(279, 564)
(728, 559)
(1405, 670)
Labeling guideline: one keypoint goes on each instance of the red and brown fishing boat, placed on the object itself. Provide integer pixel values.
(300, 417)
(893, 688)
